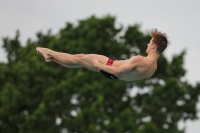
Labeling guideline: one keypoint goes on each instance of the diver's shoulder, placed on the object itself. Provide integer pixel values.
(137, 58)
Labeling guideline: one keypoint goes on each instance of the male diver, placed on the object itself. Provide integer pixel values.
(134, 68)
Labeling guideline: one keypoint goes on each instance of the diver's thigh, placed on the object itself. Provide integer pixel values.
(86, 61)
(101, 58)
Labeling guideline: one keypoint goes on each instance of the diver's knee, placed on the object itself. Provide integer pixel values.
(79, 55)
(79, 58)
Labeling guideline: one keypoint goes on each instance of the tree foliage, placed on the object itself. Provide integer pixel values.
(39, 97)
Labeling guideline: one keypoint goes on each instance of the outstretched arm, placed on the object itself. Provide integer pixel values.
(117, 70)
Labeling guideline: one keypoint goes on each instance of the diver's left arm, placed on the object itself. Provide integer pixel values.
(116, 70)
(109, 69)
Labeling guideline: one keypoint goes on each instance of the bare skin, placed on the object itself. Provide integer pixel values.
(135, 68)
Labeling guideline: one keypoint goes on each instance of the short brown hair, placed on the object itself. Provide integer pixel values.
(160, 39)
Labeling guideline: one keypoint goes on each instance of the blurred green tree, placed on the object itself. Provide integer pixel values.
(36, 97)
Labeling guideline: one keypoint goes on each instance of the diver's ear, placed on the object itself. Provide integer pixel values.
(154, 46)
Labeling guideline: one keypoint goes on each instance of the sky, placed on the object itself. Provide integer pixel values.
(180, 19)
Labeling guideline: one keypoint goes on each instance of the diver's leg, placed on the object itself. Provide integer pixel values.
(72, 61)
(86, 61)
(64, 59)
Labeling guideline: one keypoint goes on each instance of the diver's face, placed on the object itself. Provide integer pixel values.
(149, 46)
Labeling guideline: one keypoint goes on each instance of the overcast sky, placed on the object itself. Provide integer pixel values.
(180, 19)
